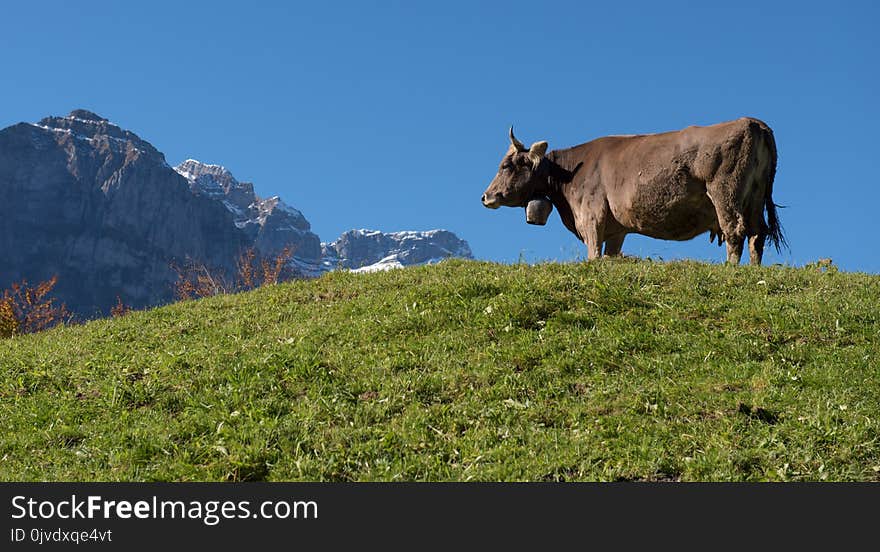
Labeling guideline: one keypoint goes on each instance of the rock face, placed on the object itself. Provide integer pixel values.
(370, 250)
(270, 224)
(96, 205)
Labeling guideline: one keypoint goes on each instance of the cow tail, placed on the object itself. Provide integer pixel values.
(774, 228)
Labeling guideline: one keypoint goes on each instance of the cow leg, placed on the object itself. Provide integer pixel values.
(731, 221)
(757, 226)
(735, 249)
(756, 248)
(613, 245)
(733, 232)
(591, 233)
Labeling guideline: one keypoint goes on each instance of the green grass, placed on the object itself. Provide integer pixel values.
(610, 370)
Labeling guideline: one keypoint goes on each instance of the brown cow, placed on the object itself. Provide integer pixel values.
(672, 186)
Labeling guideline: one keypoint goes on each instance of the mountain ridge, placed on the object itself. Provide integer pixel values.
(100, 207)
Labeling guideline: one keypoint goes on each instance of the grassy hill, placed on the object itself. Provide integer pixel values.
(612, 370)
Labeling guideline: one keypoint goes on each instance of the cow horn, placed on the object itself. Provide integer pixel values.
(536, 152)
(516, 143)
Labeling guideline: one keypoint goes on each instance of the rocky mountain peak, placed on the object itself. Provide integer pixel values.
(368, 250)
(94, 204)
(272, 224)
(195, 168)
(97, 206)
(88, 129)
(86, 115)
(215, 181)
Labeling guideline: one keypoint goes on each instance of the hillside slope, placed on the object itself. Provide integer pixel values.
(612, 370)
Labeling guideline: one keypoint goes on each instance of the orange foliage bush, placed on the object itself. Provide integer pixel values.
(120, 308)
(196, 280)
(8, 321)
(254, 270)
(25, 309)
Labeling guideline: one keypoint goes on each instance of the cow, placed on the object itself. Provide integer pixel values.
(672, 186)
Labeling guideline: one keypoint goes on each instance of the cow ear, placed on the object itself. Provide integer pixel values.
(536, 152)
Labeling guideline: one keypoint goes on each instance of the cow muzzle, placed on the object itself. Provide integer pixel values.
(491, 201)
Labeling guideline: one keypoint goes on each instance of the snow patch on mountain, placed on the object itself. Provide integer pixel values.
(275, 224)
(364, 250)
(272, 223)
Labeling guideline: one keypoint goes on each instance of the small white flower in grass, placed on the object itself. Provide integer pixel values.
(783, 471)
(488, 310)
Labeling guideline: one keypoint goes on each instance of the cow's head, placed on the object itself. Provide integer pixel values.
(520, 176)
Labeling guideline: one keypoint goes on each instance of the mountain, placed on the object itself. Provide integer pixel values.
(371, 250)
(269, 223)
(98, 206)
(273, 225)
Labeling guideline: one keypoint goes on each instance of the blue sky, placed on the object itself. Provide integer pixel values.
(394, 115)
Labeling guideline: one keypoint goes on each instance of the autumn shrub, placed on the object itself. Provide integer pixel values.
(120, 308)
(8, 321)
(252, 270)
(29, 309)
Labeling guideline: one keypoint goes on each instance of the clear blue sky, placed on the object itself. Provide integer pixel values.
(394, 116)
